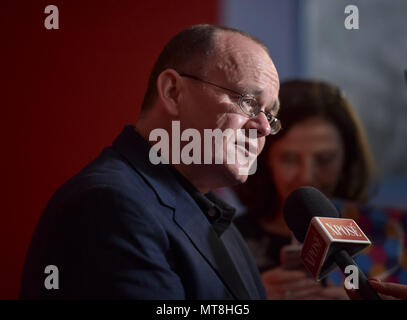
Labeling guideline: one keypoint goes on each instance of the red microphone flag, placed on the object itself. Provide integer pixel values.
(324, 237)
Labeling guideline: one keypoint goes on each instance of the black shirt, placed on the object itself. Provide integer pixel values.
(218, 212)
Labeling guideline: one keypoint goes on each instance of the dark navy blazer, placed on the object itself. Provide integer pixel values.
(124, 228)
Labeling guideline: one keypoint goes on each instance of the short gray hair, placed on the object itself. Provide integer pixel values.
(187, 51)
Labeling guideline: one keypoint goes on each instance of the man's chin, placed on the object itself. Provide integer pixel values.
(237, 174)
(224, 175)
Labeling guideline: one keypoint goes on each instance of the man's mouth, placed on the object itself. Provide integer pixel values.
(248, 149)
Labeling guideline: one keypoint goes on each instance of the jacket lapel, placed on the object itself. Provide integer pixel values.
(196, 226)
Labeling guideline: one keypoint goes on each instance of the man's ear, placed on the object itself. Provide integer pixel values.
(169, 84)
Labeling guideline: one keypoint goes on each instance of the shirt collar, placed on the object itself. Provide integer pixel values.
(224, 213)
(218, 212)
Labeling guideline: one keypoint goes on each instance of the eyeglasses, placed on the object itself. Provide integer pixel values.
(247, 103)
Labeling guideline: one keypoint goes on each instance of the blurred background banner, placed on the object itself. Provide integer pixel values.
(67, 93)
(386, 258)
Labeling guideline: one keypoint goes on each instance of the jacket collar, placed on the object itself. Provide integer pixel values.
(135, 149)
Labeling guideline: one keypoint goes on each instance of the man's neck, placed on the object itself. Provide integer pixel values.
(188, 172)
(144, 127)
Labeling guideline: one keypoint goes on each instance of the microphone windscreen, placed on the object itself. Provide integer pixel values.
(302, 205)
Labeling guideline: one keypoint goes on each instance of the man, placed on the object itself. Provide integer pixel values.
(127, 228)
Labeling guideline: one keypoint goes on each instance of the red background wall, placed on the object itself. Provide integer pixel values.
(65, 94)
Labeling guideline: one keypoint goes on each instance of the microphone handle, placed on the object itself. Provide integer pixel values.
(365, 291)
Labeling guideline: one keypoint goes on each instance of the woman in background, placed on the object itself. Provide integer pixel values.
(322, 144)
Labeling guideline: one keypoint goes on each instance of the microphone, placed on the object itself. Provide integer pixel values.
(328, 241)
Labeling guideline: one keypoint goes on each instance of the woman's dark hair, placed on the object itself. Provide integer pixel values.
(300, 100)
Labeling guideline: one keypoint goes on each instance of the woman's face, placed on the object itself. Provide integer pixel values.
(310, 154)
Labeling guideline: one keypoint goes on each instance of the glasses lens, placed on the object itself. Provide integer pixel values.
(249, 105)
(275, 126)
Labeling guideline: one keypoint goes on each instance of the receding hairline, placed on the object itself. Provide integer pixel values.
(224, 30)
(190, 51)
(219, 47)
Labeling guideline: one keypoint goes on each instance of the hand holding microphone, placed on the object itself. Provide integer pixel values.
(282, 284)
(386, 290)
(328, 240)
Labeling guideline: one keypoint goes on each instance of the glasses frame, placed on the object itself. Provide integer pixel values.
(274, 122)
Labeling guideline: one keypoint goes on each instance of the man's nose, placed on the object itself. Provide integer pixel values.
(261, 124)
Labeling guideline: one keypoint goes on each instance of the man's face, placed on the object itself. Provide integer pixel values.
(241, 65)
